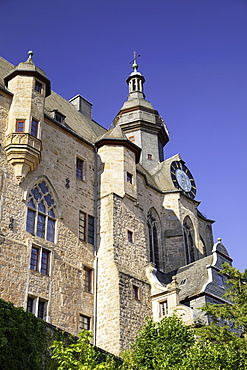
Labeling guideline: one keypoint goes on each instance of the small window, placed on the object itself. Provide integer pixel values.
(150, 157)
(34, 127)
(88, 279)
(90, 229)
(20, 125)
(39, 260)
(38, 86)
(84, 322)
(163, 308)
(129, 178)
(79, 168)
(132, 138)
(130, 236)
(82, 226)
(37, 306)
(136, 292)
(220, 280)
(86, 227)
(183, 282)
(59, 117)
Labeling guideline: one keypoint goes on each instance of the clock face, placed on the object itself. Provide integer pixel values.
(183, 179)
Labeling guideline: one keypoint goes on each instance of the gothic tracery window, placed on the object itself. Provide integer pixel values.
(153, 240)
(41, 210)
(189, 240)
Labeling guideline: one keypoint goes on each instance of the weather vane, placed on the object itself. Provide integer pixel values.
(133, 62)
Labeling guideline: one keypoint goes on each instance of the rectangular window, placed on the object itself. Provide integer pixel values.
(37, 306)
(30, 304)
(41, 309)
(34, 261)
(38, 86)
(135, 292)
(79, 168)
(41, 226)
(150, 157)
(59, 117)
(50, 230)
(88, 279)
(30, 221)
(44, 268)
(90, 229)
(129, 178)
(20, 125)
(163, 308)
(220, 280)
(40, 260)
(34, 127)
(84, 322)
(130, 236)
(82, 225)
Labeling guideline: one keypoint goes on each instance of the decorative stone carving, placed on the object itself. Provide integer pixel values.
(23, 152)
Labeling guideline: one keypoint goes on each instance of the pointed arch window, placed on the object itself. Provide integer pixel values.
(41, 218)
(153, 240)
(189, 240)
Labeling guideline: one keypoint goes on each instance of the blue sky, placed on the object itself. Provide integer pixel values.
(194, 59)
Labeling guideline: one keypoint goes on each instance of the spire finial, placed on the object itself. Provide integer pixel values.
(30, 53)
(134, 64)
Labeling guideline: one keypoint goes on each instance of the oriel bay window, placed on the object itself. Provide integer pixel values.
(41, 210)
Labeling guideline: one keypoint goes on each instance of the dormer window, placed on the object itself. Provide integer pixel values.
(59, 117)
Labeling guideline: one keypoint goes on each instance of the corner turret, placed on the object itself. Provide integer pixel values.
(23, 145)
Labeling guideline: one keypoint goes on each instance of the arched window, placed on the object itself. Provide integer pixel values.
(189, 240)
(153, 240)
(41, 210)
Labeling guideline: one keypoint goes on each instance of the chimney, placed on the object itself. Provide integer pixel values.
(82, 105)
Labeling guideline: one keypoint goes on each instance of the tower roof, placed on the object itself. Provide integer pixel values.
(28, 68)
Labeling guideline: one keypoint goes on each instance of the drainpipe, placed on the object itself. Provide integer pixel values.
(95, 243)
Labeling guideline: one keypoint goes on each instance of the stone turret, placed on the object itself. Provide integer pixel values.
(141, 123)
(23, 144)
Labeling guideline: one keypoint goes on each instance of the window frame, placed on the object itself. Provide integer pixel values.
(86, 324)
(136, 292)
(129, 178)
(38, 305)
(88, 279)
(41, 212)
(80, 168)
(41, 260)
(34, 129)
(17, 126)
(163, 308)
(86, 227)
(130, 236)
(39, 87)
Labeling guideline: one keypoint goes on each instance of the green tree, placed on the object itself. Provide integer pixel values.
(81, 355)
(23, 339)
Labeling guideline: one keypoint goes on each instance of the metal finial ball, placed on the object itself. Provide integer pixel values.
(30, 53)
(134, 65)
(219, 239)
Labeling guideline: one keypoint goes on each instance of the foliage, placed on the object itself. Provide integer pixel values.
(160, 345)
(228, 327)
(81, 355)
(22, 338)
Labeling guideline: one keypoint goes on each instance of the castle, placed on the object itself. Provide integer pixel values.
(98, 229)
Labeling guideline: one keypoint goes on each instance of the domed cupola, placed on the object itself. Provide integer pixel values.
(135, 82)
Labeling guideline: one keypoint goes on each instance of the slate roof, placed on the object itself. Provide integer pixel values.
(195, 276)
(76, 121)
